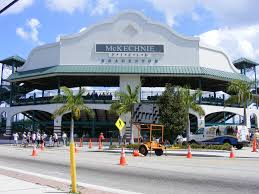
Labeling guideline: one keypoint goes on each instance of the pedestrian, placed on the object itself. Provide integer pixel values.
(38, 138)
(101, 137)
(44, 137)
(64, 138)
(50, 140)
(28, 138)
(55, 137)
(24, 136)
(15, 138)
(33, 138)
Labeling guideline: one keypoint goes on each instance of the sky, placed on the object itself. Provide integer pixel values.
(231, 25)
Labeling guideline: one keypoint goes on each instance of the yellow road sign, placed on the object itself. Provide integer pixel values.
(120, 124)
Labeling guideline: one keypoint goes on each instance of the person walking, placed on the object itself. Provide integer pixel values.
(50, 140)
(55, 137)
(64, 138)
(38, 139)
(28, 138)
(44, 137)
(33, 138)
(24, 136)
(15, 138)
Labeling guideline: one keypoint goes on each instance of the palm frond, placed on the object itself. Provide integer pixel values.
(63, 109)
(197, 108)
(234, 99)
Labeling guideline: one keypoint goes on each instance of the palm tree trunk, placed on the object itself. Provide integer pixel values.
(72, 130)
(188, 129)
(131, 129)
(131, 133)
(245, 122)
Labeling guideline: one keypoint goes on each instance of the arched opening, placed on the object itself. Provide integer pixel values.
(223, 118)
(253, 120)
(103, 121)
(193, 123)
(33, 120)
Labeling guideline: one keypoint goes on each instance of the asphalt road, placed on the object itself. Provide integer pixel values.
(166, 174)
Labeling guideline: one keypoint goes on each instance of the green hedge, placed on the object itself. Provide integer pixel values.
(129, 146)
(225, 146)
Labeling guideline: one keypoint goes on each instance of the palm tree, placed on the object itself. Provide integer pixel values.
(74, 104)
(189, 101)
(126, 103)
(241, 94)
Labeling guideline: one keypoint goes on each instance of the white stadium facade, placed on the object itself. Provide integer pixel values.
(127, 49)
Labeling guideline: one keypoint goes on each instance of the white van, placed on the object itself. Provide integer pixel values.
(236, 135)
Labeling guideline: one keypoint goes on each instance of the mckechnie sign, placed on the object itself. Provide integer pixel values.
(129, 48)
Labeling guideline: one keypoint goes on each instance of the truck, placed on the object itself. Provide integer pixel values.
(236, 135)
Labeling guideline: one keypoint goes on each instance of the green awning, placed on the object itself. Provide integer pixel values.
(186, 71)
(16, 60)
(244, 63)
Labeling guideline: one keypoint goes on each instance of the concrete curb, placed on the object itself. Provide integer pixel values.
(59, 183)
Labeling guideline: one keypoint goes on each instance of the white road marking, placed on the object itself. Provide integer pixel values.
(91, 186)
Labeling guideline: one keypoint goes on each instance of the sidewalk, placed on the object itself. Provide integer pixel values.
(15, 186)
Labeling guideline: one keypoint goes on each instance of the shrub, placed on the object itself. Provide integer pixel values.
(112, 146)
(225, 146)
(133, 146)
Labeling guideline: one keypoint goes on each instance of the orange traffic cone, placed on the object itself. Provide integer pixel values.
(34, 151)
(123, 158)
(135, 153)
(100, 145)
(90, 144)
(254, 145)
(189, 154)
(81, 143)
(232, 155)
(76, 148)
(42, 147)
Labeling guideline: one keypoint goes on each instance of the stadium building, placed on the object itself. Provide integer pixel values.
(127, 49)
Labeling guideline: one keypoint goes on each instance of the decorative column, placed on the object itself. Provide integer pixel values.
(132, 81)
(248, 120)
(57, 126)
(201, 122)
(8, 130)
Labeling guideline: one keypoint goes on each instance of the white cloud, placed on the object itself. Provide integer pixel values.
(32, 33)
(171, 9)
(237, 42)
(69, 6)
(103, 6)
(19, 6)
(233, 12)
(20, 32)
(94, 7)
(230, 12)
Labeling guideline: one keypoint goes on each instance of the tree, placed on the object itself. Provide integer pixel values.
(74, 104)
(172, 112)
(189, 102)
(126, 103)
(241, 94)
